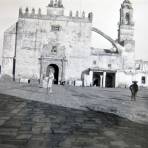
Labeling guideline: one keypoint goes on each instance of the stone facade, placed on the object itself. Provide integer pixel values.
(41, 40)
(38, 42)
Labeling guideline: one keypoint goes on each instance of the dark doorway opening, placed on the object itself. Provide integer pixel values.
(127, 18)
(55, 69)
(96, 78)
(110, 80)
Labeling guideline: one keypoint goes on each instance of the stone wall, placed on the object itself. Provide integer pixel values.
(106, 61)
(138, 77)
(125, 78)
(36, 39)
(8, 50)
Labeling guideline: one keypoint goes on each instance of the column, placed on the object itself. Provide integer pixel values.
(101, 80)
(91, 77)
(63, 68)
(104, 79)
(41, 69)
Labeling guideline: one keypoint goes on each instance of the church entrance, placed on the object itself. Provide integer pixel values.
(55, 69)
(110, 80)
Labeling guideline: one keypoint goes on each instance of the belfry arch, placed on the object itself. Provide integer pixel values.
(96, 30)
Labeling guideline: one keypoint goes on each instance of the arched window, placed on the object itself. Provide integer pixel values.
(127, 18)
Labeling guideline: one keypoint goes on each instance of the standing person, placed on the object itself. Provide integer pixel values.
(134, 90)
(50, 81)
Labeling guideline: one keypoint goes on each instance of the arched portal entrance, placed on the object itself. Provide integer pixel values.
(55, 69)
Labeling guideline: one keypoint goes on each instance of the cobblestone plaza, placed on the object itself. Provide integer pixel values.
(62, 119)
(29, 124)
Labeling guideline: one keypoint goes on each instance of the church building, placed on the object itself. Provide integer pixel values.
(38, 42)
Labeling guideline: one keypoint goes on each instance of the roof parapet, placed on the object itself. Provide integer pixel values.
(32, 13)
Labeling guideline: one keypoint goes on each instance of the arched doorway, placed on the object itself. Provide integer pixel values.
(55, 69)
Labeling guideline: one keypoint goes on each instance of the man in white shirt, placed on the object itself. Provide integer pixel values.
(50, 79)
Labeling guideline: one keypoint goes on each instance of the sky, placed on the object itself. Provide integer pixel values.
(106, 18)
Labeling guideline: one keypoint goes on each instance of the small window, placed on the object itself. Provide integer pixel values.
(55, 28)
(127, 17)
(94, 62)
(143, 80)
(137, 66)
(54, 49)
(109, 65)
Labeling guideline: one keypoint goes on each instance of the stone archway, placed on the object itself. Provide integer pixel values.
(55, 69)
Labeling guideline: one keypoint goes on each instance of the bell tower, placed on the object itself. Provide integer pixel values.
(55, 8)
(126, 27)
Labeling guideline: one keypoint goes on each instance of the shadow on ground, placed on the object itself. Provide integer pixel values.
(31, 124)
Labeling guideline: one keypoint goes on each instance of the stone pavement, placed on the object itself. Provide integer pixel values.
(115, 101)
(32, 124)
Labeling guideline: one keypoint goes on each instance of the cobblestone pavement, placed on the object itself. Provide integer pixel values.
(112, 100)
(32, 124)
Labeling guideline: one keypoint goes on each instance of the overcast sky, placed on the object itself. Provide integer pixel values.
(106, 17)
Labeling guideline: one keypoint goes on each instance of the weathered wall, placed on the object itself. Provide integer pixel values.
(138, 77)
(124, 79)
(141, 65)
(106, 61)
(78, 49)
(35, 39)
(8, 51)
(128, 60)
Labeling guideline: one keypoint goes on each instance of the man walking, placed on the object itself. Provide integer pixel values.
(134, 90)
(50, 81)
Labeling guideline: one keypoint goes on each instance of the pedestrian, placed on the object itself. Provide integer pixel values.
(134, 90)
(50, 79)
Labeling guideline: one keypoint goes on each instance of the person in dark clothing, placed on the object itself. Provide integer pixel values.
(134, 90)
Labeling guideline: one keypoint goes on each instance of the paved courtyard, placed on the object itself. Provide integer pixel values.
(32, 124)
(116, 101)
